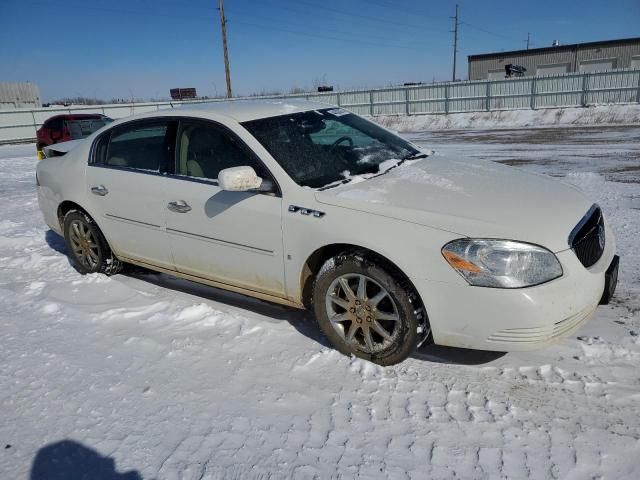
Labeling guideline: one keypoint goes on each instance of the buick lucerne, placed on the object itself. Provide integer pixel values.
(311, 206)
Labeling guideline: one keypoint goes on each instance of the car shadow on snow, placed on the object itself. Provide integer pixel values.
(455, 356)
(70, 460)
(301, 320)
(55, 241)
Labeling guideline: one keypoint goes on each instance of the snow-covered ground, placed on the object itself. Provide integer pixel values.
(178, 381)
(623, 114)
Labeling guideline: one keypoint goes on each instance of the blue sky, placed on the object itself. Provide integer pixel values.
(141, 48)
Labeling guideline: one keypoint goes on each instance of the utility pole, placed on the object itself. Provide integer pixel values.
(455, 43)
(223, 25)
(528, 39)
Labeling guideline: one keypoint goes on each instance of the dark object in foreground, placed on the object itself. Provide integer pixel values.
(69, 460)
(610, 281)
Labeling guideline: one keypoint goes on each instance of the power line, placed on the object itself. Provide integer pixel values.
(357, 15)
(488, 32)
(327, 37)
(277, 22)
(394, 6)
(113, 10)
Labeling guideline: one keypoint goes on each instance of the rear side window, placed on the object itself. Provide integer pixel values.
(141, 145)
(55, 124)
(84, 127)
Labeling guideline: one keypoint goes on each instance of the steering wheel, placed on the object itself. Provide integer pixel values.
(340, 140)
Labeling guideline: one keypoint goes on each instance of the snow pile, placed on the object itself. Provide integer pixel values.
(594, 115)
(176, 380)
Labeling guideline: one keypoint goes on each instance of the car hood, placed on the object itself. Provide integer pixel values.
(469, 197)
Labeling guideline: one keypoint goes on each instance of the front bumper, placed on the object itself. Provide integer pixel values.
(520, 319)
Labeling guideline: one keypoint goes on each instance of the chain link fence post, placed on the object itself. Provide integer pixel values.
(446, 98)
(585, 88)
(533, 92)
(406, 101)
(371, 102)
(35, 125)
(487, 106)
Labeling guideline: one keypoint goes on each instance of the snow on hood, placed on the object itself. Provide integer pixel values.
(469, 197)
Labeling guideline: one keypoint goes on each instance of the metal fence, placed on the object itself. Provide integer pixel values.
(568, 90)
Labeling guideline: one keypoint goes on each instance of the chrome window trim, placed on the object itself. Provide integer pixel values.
(91, 161)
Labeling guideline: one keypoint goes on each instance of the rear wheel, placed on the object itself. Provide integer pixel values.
(87, 246)
(366, 311)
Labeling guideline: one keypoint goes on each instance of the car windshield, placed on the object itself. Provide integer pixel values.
(82, 128)
(323, 148)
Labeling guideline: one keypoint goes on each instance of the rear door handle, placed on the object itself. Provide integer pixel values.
(99, 190)
(179, 206)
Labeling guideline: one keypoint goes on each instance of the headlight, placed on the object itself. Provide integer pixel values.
(501, 263)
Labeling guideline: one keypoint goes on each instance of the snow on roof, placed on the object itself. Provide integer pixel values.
(245, 110)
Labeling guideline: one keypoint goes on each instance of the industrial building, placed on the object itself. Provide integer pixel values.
(558, 59)
(19, 95)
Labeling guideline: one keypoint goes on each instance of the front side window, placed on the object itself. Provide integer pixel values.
(204, 149)
(141, 145)
(320, 147)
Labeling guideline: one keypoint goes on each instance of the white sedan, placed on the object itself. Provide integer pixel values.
(309, 205)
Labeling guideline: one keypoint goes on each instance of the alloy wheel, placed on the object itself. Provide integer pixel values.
(84, 245)
(362, 312)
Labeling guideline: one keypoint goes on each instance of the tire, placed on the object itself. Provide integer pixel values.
(87, 247)
(396, 311)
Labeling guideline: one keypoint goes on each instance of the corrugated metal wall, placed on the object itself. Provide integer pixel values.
(19, 95)
(572, 55)
(571, 90)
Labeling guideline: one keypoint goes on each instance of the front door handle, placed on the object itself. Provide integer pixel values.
(99, 190)
(180, 206)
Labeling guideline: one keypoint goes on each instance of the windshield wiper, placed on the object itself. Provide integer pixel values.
(411, 156)
(335, 184)
(414, 156)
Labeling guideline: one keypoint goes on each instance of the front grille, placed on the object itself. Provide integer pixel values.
(587, 238)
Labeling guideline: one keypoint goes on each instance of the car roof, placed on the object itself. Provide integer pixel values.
(245, 110)
(76, 116)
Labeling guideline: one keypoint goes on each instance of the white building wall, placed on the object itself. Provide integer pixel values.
(19, 95)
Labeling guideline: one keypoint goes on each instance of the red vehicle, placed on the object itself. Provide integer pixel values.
(63, 128)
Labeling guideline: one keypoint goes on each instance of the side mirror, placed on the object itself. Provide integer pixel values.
(239, 179)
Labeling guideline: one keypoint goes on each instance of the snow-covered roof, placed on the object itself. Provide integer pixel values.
(245, 110)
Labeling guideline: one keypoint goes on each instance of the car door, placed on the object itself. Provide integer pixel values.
(231, 237)
(126, 182)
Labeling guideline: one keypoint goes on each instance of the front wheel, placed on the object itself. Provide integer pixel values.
(87, 246)
(366, 311)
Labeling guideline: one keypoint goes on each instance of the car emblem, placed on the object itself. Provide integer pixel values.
(601, 236)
